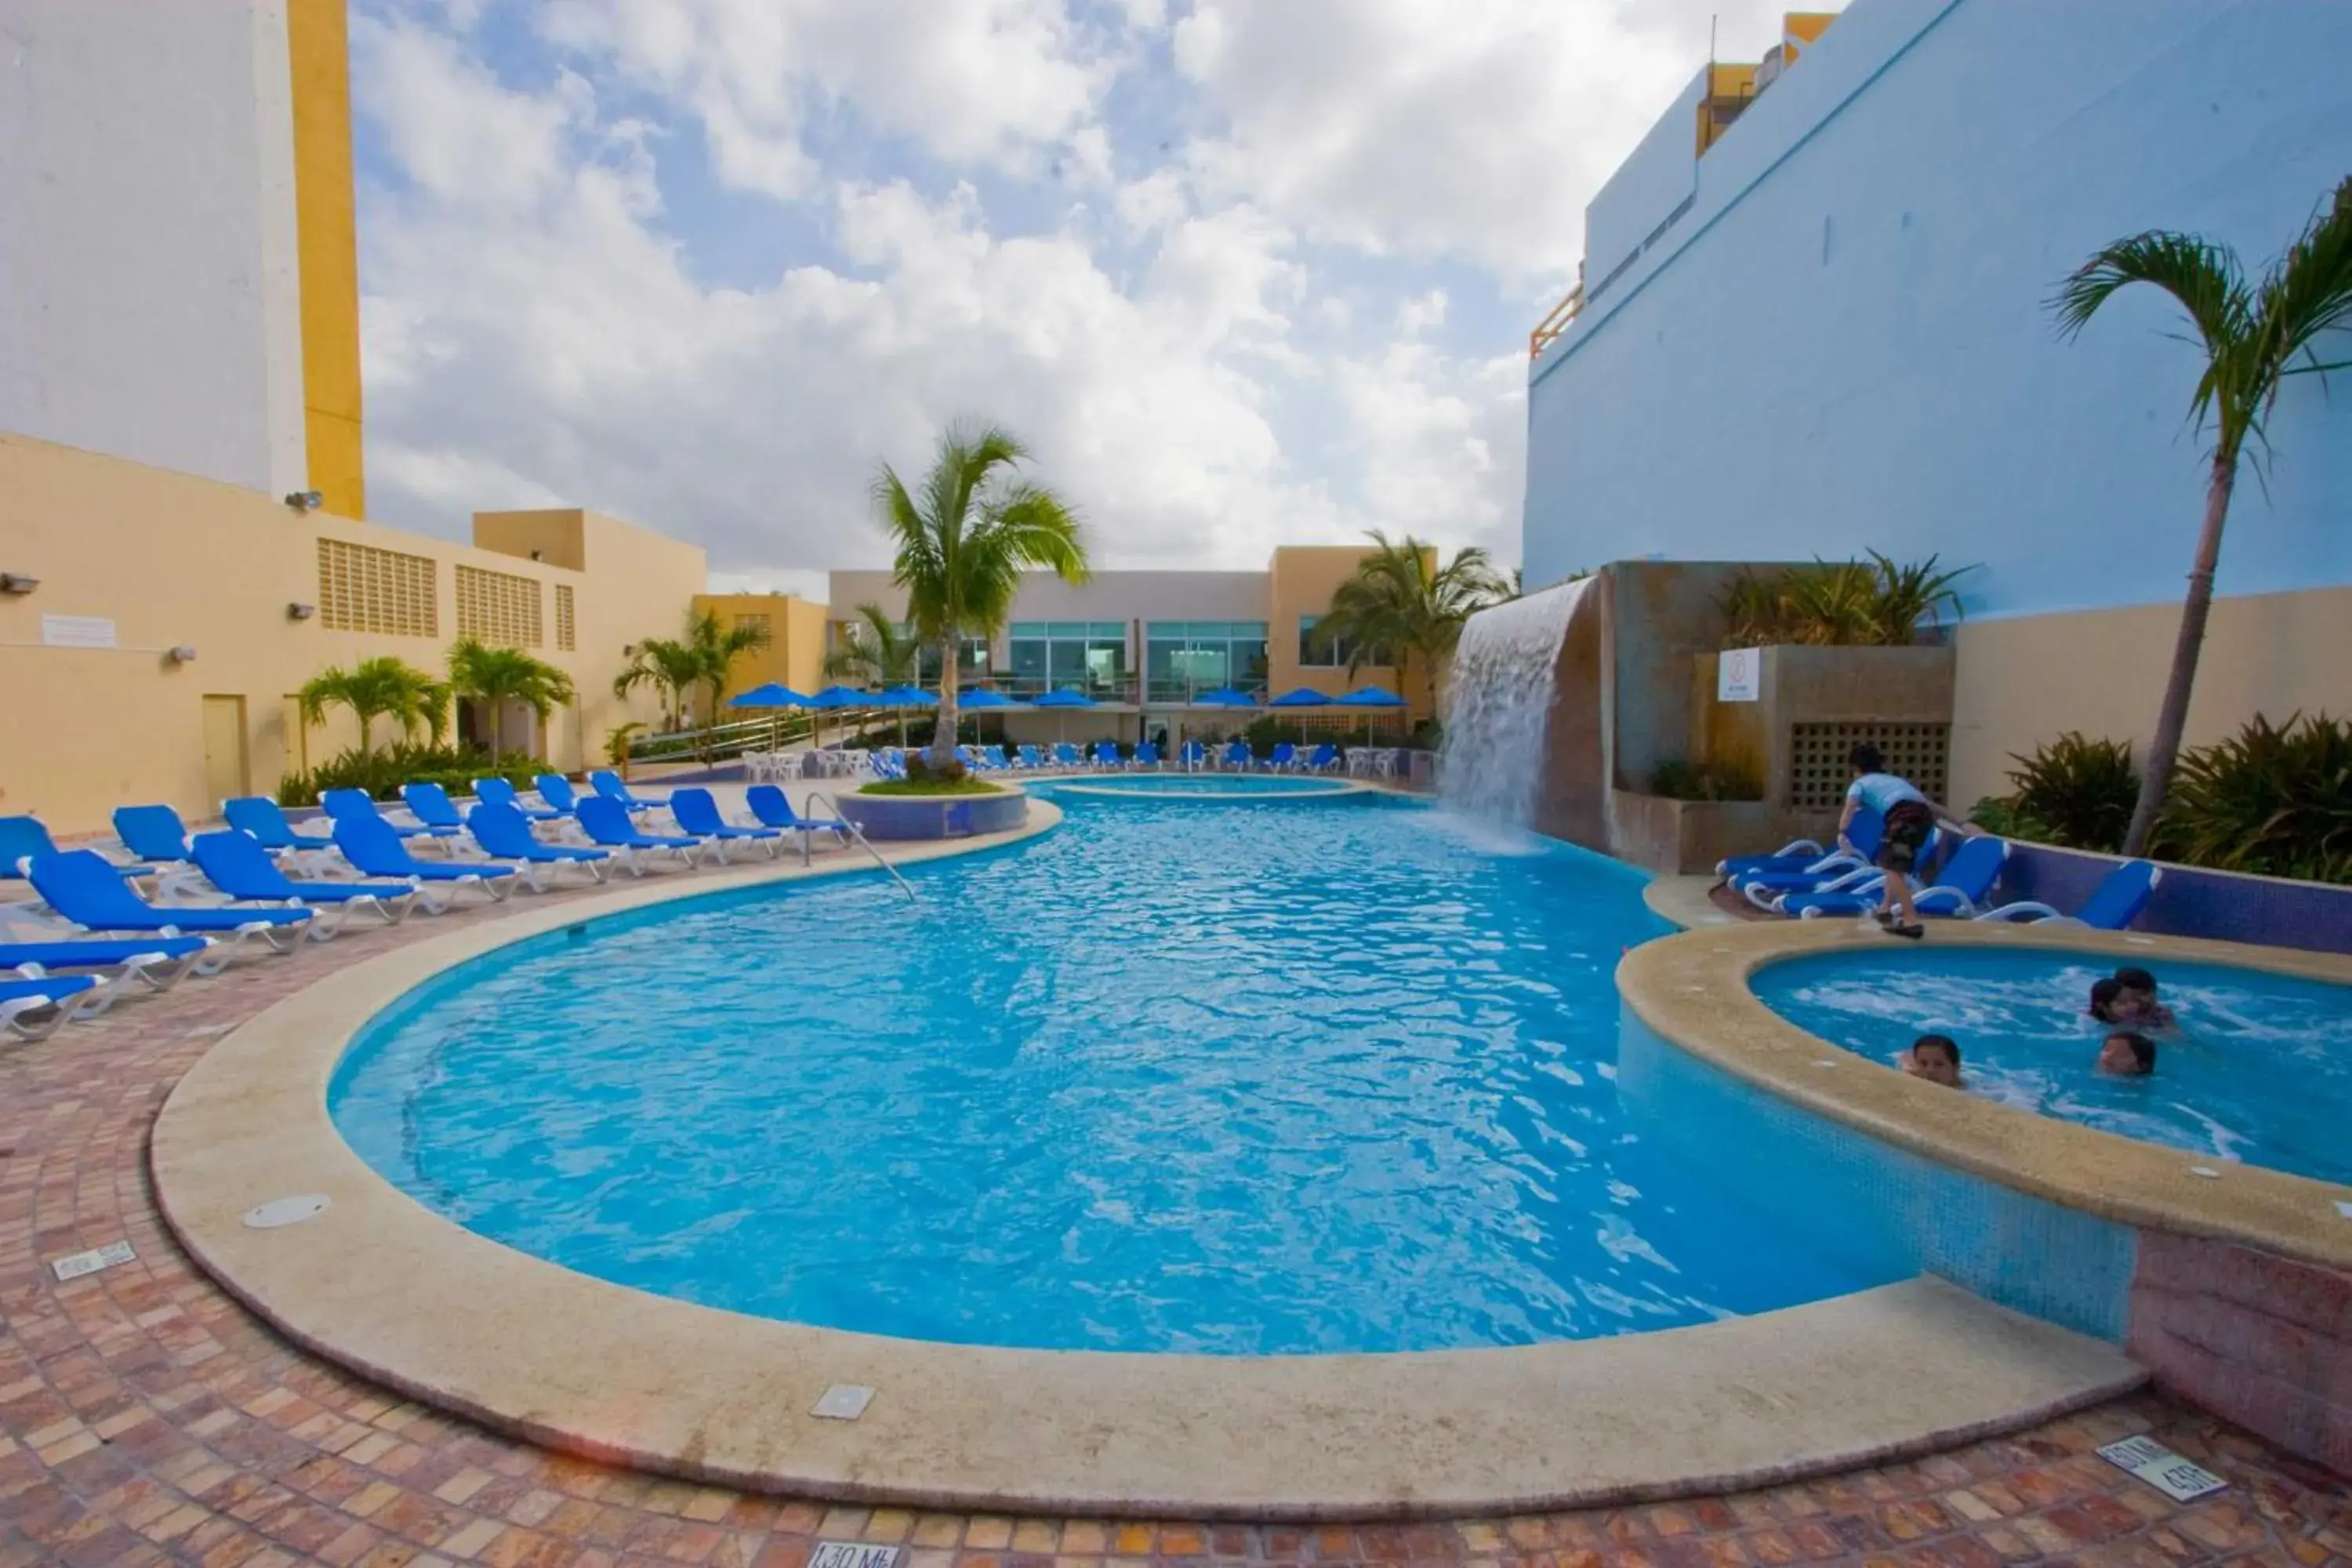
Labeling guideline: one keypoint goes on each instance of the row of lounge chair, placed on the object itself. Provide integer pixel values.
(266, 882)
(1807, 881)
(1104, 756)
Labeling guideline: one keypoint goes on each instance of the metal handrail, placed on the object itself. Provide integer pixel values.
(1556, 320)
(809, 812)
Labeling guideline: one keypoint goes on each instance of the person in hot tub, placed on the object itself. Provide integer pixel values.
(1935, 1057)
(2135, 1004)
(2126, 1053)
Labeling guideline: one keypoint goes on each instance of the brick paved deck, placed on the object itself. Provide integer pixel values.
(144, 1418)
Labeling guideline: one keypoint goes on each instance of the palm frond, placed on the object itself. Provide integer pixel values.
(2309, 293)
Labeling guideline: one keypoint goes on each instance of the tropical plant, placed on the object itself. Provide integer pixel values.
(963, 540)
(2273, 799)
(2075, 791)
(1726, 779)
(380, 687)
(381, 773)
(498, 675)
(2254, 335)
(677, 668)
(876, 651)
(1874, 603)
(1401, 602)
(618, 741)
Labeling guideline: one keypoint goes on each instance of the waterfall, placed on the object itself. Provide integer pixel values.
(1500, 704)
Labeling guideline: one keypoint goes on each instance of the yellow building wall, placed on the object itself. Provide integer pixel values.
(174, 560)
(557, 535)
(327, 246)
(795, 656)
(1302, 580)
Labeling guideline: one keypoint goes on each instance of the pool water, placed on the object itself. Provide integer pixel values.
(1226, 1078)
(1208, 786)
(2259, 1069)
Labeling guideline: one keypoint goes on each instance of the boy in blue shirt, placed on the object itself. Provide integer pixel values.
(1910, 819)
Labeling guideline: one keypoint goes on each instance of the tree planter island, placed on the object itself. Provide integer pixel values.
(901, 815)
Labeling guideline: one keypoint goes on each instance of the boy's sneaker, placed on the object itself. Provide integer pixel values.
(1885, 919)
(1910, 933)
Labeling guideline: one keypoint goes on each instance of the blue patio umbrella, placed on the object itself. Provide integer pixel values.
(769, 696)
(831, 698)
(903, 698)
(1224, 697)
(1378, 697)
(1068, 697)
(979, 699)
(1301, 698)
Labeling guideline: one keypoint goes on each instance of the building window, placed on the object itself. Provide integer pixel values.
(759, 619)
(972, 662)
(567, 630)
(363, 589)
(1183, 658)
(499, 608)
(1333, 655)
(1050, 654)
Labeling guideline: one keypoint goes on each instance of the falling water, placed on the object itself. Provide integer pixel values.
(1500, 704)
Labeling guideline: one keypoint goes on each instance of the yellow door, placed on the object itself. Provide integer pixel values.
(226, 774)
(298, 737)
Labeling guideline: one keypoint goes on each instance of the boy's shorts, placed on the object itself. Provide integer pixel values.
(1907, 827)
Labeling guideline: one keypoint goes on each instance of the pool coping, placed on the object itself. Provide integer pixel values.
(1692, 990)
(381, 1284)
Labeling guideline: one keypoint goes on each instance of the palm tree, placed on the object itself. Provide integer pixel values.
(877, 653)
(2254, 335)
(963, 544)
(1401, 599)
(670, 667)
(375, 689)
(503, 675)
(716, 649)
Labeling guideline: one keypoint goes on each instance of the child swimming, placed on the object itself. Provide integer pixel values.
(1935, 1057)
(2127, 1053)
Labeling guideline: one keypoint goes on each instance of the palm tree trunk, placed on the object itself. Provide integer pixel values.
(497, 728)
(943, 728)
(2164, 746)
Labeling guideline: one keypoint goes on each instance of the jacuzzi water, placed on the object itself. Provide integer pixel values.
(2258, 1069)
(1229, 1077)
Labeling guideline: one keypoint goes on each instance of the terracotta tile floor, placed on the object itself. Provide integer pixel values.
(145, 1417)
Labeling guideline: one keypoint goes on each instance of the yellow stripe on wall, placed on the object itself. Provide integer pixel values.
(319, 43)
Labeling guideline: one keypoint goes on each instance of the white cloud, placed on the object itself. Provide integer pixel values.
(1421, 314)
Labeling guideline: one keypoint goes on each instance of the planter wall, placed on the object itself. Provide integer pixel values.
(911, 817)
(2193, 901)
(1678, 837)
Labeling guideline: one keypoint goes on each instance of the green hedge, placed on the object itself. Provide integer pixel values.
(381, 773)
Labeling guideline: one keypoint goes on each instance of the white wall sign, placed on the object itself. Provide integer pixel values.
(77, 631)
(1738, 674)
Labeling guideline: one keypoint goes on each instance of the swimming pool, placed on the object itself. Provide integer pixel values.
(2260, 1069)
(1235, 1078)
(1199, 787)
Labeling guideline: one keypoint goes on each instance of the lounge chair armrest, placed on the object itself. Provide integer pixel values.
(2027, 910)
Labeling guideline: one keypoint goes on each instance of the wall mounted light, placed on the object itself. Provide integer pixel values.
(539, 555)
(305, 500)
(629, 650)
(300, 612)
(17, 583)
(183, 654)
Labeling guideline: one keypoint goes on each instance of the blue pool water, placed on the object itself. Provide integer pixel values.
(2259, 1069)
(1211, 787)
(1230, 1077)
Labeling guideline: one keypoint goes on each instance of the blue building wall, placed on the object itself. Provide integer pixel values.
(1843, 343)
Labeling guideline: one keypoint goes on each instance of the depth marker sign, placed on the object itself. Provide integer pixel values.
(2181, 1479)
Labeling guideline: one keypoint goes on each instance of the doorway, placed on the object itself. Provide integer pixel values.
(226, 775)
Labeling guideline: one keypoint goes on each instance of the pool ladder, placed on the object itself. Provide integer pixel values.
(808, 811)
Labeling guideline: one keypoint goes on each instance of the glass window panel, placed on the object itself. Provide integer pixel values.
(1030, 628)
(1029, 657)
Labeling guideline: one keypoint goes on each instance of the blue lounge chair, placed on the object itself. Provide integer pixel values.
(995, 758)
(1831, 871)
(375, 848)
(22, 838)
(1960, 888)
(240, 868)
(35, 1008)
(1770, 890)
(607, 782)
(2113, 905)
(608, 824)
(1805, 855)
(502, 792)
(773, 808)
(1323, 759)
(266, 822)
(431, 805)
(1065, 755)
(155, 834)
(82, 887)
(699, 813)
(1238, 755)
(343, 806)
(1147, 755)
(1191, 754)
(156, 960)
(1283, 757)
(1031, 759)
(504, 833)
(557, 792)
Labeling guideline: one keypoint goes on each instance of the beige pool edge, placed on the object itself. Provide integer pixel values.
(382, 1285)
(1692, 991)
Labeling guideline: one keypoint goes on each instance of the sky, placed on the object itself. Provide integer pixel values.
(1238, 272)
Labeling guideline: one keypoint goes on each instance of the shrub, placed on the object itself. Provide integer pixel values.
(2075, 790)
(1839, 603)
(381, 773)
(1706, 780)
(922, 770)
(2275, 800)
